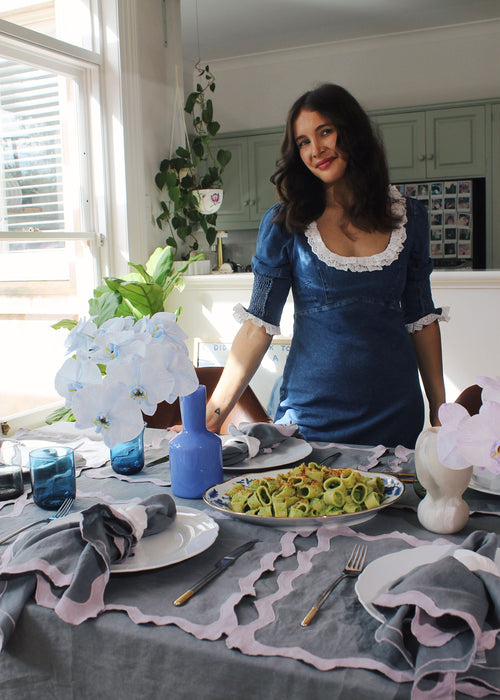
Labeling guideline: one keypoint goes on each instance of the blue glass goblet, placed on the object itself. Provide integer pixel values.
(52, 476)
(128, 457)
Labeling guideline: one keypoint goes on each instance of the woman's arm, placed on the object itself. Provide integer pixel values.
(249, 347)
(427, 345)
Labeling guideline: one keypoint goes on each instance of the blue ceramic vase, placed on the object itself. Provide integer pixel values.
(195, 453)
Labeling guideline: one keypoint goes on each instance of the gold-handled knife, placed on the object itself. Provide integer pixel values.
(221, 566)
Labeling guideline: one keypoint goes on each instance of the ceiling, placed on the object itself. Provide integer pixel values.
(221, 29)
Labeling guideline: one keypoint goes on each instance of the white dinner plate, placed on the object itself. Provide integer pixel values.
(190, 534)
(216, 497)
(290, 450)
(477, 486)
(382, 573)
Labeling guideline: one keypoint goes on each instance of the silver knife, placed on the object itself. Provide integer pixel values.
(221, 566)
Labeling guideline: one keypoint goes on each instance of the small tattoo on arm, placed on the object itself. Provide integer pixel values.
(217, 411)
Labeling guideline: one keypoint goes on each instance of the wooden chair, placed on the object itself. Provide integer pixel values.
(470, 398)
(248, 408)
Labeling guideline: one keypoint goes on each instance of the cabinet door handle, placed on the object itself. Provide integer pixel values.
(421, 156)
(430, 157)
(252, 202)
(246, 203)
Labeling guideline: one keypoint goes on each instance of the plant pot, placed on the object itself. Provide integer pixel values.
(200, 267)
(209, 201)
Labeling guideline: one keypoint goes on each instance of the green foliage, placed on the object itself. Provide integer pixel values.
(139, 293)
(192, 168)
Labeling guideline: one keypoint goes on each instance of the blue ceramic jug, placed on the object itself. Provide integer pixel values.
(195, 453)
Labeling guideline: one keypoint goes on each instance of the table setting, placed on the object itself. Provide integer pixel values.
(136, 560)
(254, 607)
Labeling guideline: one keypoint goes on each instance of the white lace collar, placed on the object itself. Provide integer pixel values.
(371, 262)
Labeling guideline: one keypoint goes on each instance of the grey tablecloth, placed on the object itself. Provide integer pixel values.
(239, 637)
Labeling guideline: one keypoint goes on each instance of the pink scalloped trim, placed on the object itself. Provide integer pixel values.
(241, 315)
(371, 262)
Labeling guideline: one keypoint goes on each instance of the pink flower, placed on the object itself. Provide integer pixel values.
(479, 438)
(491, 388)
(215, 197)
(453, 419)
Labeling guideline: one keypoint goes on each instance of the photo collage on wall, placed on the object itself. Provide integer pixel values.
(449, 204)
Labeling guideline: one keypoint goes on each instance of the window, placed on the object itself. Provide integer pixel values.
(52, 217)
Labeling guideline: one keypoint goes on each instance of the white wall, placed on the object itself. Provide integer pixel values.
(147, 91)
(414, 68)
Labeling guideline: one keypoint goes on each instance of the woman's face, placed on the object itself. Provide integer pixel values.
(316, 139)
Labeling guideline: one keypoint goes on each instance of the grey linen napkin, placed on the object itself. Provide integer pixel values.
(250, 439)
(67, 564)
(444, 620)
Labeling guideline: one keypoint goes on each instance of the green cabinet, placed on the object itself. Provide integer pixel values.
(435, 143)
(248, 192)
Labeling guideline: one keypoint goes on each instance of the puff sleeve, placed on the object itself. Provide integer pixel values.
(417, 303)
(271, 266)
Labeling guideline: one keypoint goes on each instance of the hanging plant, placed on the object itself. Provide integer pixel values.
(193, 167)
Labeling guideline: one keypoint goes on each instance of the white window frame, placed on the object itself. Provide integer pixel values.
(96, 72)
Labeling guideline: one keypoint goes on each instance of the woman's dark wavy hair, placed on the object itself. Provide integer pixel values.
(364, 195)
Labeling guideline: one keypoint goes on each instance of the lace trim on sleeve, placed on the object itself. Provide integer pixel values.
(371, 262)
(427, 320)
(241, 314)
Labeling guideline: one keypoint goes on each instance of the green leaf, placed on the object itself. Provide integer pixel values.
(171, 179)
(145, 298)
(209, 110)
(211, 235)
(171, 242)
(160, 264)
(212, 87)
(182, 152)
(223, 157)
(190, 102)
(59, 414)
(67, 323)
(174, 193)
(213, 128)
(106, 306)
(197, 146)
(142, 272)
(160, 180)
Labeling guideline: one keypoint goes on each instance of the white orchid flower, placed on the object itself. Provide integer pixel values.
(491, 388)
(162, 328)
(74, 374)
(117, 324)
(80, 339)
(109, 409)
(117, 346)
(184, 373)
(453, 418)
(147, 381)
(479, 438)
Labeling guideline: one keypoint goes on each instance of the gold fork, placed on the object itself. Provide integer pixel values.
(353, 567)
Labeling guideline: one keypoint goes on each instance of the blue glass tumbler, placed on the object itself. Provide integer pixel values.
(128, 457)
(195, 453)
(52, 476)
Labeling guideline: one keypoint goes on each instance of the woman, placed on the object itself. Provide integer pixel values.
(355, 253)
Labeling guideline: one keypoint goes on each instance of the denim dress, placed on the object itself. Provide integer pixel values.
(351, 375)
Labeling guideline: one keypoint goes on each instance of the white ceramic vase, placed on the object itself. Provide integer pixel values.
(443, 509)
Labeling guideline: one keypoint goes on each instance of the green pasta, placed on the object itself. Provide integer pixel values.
(309, 490)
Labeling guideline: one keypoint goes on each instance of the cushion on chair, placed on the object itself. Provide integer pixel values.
(470, 398)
